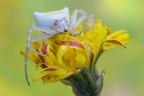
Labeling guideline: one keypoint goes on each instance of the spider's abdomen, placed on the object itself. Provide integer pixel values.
(53, 19)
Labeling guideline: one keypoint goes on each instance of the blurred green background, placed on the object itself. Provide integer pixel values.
(124, 68)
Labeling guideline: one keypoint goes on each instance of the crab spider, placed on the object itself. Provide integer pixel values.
(52, 23)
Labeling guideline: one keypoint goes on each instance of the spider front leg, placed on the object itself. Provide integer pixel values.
(75, 23)
(28, 46)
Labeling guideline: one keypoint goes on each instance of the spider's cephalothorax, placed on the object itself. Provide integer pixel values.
(61, 25)
(55, 22)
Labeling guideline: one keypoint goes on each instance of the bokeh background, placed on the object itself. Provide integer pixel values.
(124, 68)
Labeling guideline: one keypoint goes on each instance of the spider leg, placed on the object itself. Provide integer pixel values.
(75, 23)
(41, 37)
(26, 54)
(90, 21)
(28, 47)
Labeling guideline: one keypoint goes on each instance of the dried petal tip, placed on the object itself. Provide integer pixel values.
(45, 49)
(115, 42)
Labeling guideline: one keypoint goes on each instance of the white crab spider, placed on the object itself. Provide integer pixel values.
(52, 23)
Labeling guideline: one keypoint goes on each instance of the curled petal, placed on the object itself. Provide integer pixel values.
(115, 42)
(108, 44)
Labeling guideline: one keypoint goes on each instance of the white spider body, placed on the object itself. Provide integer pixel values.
(52, 23)
(56, 20)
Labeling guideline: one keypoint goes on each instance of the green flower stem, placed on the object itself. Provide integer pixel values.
(94, 71)
(84, 84)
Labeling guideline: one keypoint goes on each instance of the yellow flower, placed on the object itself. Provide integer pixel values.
(101, 38)
(66, 54)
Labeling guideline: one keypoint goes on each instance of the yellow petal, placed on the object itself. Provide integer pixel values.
(32, 56)
(80, 59)
(117, 38)
(62, 50)
(98, 23)
(69, 59)
(79, 28)
(50, 77)
(98, 33)
(37, 45)
(121, 36)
